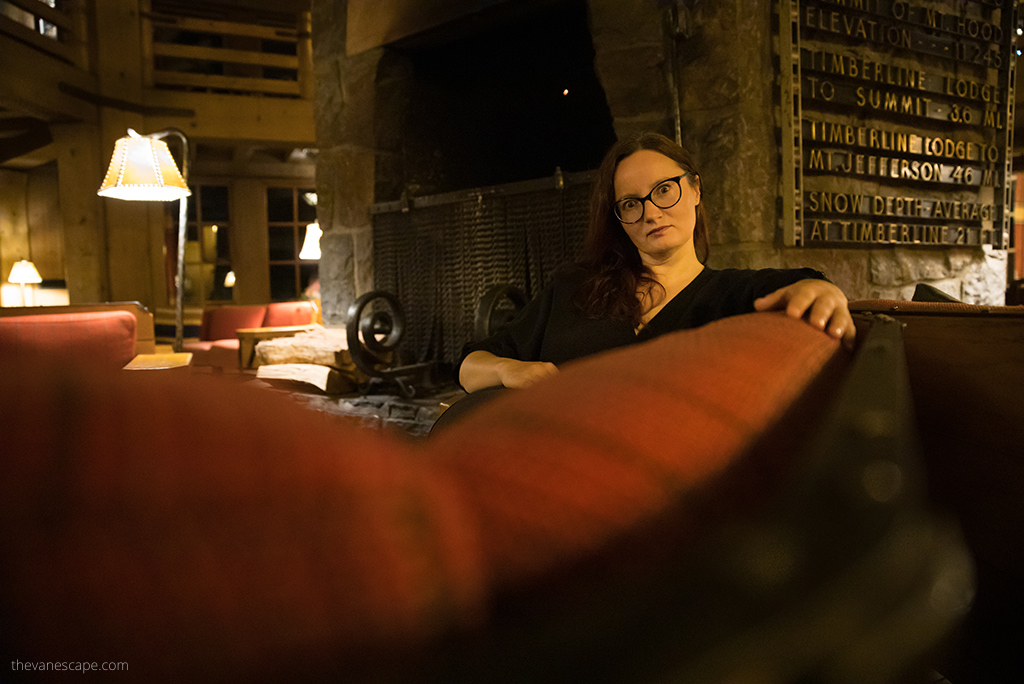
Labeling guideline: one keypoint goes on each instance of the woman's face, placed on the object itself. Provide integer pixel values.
(660, 233)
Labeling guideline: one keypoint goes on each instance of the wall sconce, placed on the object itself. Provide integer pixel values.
(24, 273)
(311, 244)
(229, 279)
(143, 169)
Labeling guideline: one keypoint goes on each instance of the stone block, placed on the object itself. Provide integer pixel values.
(345, 93)
(345, 183)
(739, 182)
(633, 80)
(984, 280)
(959, 259)
(847, 269)
(616, 24)
(337, 276)
(896, 267)
(329, 27)
(363, 243)
(323, 346)
(658, 122)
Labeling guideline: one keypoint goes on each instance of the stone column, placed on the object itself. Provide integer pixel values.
(344, 111)
(633, 65)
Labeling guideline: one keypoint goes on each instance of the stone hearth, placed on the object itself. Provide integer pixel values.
(411, 418)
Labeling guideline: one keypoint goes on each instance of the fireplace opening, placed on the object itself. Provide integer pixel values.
(498, 99)
(487, 129)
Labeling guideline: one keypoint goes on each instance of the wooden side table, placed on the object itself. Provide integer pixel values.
(248, 338)
(168, 361)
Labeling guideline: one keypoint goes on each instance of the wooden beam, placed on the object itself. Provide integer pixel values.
(32, 87)
(211, 82)
(58, 18)
(226, 55)
(258, 120)
(221, 27)
(37, 40)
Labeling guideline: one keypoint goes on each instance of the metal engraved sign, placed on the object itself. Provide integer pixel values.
(897, 122)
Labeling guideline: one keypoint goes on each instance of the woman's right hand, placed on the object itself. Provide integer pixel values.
(482, 369)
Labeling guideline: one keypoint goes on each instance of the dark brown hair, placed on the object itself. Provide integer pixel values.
(615, 271)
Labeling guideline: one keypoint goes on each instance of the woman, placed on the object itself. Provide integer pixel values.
(643, 275)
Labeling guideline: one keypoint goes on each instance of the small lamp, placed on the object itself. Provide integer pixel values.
(24, 273)
(229, 279)
(143, 169)
(311, 244)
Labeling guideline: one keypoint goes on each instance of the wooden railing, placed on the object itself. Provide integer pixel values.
(66, 40)
(225, 57)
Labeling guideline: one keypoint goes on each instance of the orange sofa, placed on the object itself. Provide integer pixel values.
(103, 338)
(218, 344)
(145, 338)
(652, 513)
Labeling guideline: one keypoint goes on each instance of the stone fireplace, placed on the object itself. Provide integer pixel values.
(413, 102)
(514, 92)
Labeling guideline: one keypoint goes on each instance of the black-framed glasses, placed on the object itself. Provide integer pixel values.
(664, 195)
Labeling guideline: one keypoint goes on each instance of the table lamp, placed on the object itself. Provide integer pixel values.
(24, 273)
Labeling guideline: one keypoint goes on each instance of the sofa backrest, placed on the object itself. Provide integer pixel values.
(104, 338)
(221, 322)
(289, 313)
(355, 542)
(145, 334)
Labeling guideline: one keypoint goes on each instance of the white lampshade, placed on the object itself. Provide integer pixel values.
(142, 168)
(229, 279)
(24, 273)
(311, 244)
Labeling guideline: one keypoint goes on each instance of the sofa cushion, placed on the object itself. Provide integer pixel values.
(221, 322)
(104, 338)
(218, 353)
(289, 313)
(212, 531)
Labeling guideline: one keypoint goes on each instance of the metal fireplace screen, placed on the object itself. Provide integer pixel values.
(439, 255)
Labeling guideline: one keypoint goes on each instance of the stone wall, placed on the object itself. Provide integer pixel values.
(717, 59)
(345, 170)
(729, 113)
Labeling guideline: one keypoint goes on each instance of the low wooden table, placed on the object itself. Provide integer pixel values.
(166, 361)
(248, 338)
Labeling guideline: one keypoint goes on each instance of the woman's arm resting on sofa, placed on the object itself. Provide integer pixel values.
(483, 369)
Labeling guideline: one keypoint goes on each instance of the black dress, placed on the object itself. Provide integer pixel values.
(552, 328)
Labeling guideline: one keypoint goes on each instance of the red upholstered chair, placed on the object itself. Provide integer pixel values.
(105, 338)
(217, 345)
(199, 530)
(289, 313)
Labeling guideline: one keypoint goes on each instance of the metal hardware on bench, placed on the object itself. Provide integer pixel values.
(373, 339)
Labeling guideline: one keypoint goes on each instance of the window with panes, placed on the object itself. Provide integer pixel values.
(289, 211)
(207, 245)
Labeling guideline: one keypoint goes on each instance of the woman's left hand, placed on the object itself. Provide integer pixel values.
(823, 305)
